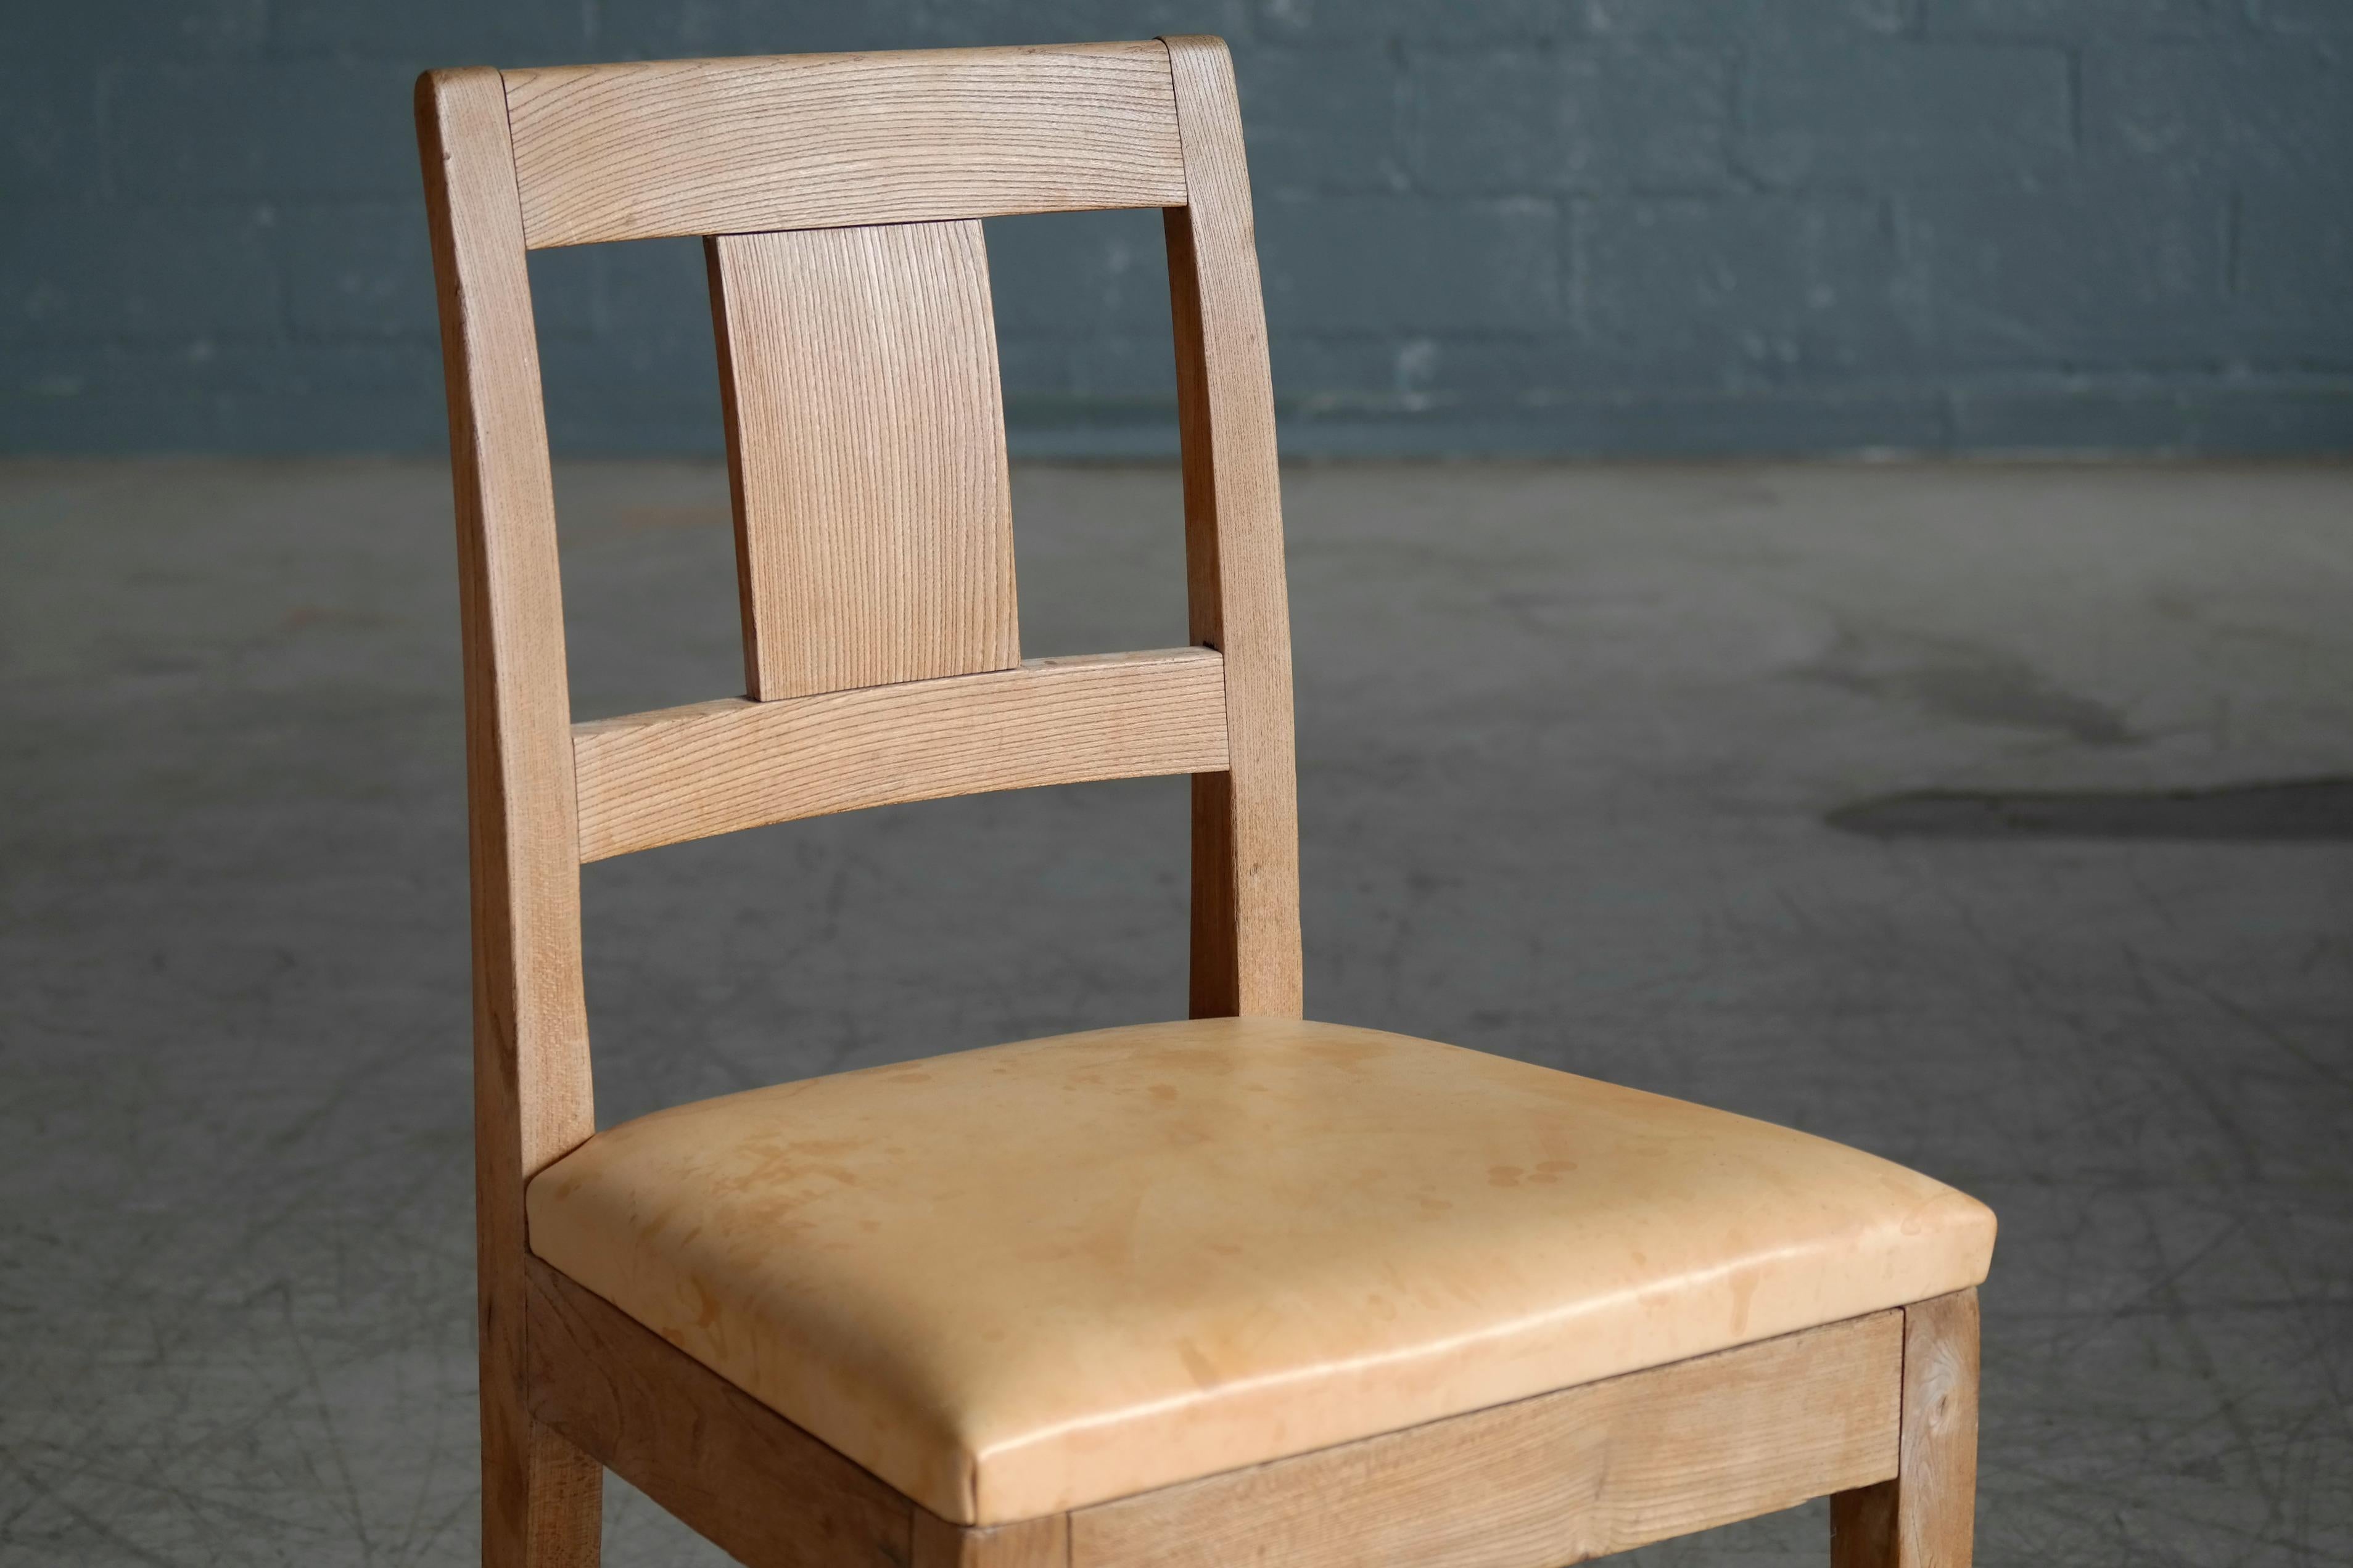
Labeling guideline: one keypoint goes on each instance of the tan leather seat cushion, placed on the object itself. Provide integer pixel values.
(1027, 1278)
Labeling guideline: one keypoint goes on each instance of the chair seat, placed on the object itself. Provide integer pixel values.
(1027, 1278)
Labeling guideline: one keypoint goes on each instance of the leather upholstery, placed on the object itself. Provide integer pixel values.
(1022, 1279)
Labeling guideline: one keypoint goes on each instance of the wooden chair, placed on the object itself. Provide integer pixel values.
(1235, 1289)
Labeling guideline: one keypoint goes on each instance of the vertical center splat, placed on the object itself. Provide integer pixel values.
(866, 442)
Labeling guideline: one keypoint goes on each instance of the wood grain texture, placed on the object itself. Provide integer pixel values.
(866, 442)
(713, 767)
(743, 1476)
(531, 1091)
(1549, 1480)
(1927, 1516)
(741, 146)
(1030, 1543)
(1246, 953)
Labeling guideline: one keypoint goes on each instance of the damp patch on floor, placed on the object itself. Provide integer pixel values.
(1953, 680)
(2274, 811)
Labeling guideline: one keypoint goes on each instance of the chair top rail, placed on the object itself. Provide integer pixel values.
(665, 148)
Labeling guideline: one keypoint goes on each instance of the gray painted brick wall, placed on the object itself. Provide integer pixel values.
(1510, 226)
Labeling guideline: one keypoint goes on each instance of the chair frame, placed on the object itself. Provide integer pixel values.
(1879, 1412)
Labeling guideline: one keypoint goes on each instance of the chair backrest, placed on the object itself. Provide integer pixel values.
(840, 198)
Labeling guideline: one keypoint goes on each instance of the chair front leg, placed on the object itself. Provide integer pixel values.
(1927, 1516)
(543, 1499)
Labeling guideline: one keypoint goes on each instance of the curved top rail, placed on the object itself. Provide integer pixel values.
(660, 147)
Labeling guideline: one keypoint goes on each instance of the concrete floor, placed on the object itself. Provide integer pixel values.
(1568, 741)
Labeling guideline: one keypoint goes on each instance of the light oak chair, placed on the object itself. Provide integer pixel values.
(1238, 1289)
